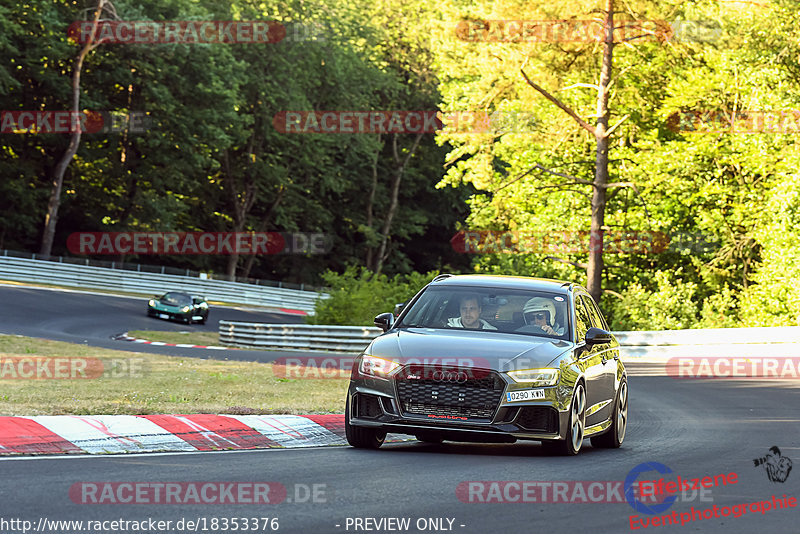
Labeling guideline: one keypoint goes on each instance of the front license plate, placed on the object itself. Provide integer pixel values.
(524, 395)
(163, 316)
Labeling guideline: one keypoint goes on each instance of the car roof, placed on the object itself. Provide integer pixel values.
(505, 282)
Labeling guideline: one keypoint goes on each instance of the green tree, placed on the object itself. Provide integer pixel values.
(702, 188)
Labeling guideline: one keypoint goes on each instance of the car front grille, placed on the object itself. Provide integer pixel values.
(454, 392)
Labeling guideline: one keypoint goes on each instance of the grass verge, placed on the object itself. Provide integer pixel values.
(137, 383)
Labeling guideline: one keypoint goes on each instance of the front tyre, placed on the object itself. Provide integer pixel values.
(615, 435)
(360, 437)
(577, 424)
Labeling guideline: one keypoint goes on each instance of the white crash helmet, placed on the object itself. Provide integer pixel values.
(540, 304)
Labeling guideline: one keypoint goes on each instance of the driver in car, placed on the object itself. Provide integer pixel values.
(470, 309)
(541, 312)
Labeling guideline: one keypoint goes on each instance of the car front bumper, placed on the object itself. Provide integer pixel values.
(171, 315)
(376, 403)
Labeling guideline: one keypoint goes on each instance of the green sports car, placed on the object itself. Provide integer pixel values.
(179, 306)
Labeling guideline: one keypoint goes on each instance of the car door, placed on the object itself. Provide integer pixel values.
(607, 353)
(590, 363)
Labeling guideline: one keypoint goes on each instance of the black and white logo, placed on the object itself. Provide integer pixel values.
(778, 467)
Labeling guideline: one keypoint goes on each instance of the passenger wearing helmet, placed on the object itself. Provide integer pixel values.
(541, 312)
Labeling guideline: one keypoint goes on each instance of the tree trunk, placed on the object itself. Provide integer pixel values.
(242, 199)
(248, 265)
(594, 272)
(243, 196)
(370, 207)
(230, 268)
(51, 217)
(601, 133)
(387, 220)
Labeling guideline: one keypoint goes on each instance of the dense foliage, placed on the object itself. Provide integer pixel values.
(213, 160)
(678, 175)
(358, 295)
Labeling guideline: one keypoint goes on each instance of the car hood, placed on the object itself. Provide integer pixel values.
(489, 350)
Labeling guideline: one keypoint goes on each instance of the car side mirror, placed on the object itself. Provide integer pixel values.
(398, 309)
(384, 321)
(597, 336)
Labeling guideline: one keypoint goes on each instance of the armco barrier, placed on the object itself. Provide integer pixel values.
(783, 341)
(279, 336)
(780, 341)
(711, 336)
(88, 277)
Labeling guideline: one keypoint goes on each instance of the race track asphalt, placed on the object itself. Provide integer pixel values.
(93, 319)
(695, 428)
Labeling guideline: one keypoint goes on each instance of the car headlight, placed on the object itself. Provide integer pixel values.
(151, 303)
(535, 377)
(372, 365)
(186, 309)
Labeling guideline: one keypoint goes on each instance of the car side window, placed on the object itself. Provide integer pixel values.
(594, 313)
(417, 313)
(582, 320)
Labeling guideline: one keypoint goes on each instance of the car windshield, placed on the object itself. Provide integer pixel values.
(176, 299)
(491, 310)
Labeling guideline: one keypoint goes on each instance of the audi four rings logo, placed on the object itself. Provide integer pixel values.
(450, 376)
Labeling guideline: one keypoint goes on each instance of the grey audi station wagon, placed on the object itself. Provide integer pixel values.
(491, 359)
